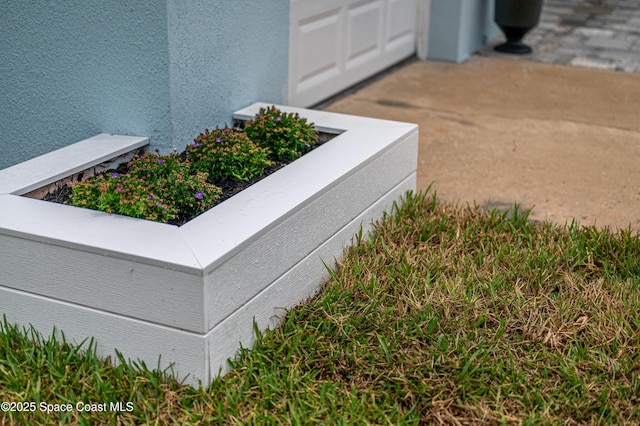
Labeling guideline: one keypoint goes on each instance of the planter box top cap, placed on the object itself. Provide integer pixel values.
(232, 223)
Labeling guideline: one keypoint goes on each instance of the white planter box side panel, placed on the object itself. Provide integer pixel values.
(157, 346)
(297, 285)
(315, 222)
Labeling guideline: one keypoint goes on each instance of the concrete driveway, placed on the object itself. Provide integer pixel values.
(562, 140)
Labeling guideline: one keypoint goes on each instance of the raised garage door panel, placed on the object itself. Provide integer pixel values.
(337, 43)
(363, 41)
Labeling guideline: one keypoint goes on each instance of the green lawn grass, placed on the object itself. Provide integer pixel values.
(445, 314)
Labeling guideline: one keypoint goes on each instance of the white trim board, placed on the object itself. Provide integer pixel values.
(48, 168)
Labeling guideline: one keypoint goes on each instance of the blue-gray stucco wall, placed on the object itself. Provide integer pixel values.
(457, 28)
(164, 69)
(223, 58)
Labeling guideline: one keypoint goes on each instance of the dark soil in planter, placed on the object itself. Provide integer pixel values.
(229, 187)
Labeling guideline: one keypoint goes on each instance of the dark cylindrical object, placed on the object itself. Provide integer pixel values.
(516, 18)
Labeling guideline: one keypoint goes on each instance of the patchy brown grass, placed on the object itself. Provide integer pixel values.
(444, 315)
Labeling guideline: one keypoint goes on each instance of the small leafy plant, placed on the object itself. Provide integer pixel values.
(227, 154)
(159, 188)
(175, 188)
(288, 136)
(183, 188)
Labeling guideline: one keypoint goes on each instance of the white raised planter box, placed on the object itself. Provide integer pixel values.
(190, 294)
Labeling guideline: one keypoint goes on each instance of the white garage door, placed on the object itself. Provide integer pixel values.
(337, 43)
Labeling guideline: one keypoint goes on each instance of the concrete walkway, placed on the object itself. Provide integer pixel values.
(563, 140)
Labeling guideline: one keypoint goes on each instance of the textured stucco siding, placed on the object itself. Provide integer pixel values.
(457, 28)
(71, 70)
(163, 69)
(224, 55)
